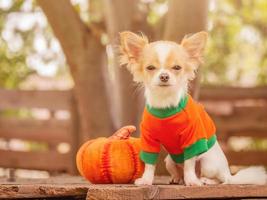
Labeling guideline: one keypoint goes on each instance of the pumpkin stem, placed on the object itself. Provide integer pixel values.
(123, 133)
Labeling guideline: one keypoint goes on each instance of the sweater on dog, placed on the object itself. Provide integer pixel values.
(184, 131)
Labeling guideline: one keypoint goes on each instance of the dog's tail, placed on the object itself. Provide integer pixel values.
(250, 175)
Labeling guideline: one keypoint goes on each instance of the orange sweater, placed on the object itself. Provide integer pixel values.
(184, 131)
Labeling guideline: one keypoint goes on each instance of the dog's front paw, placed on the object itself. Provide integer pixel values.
(193, 182)
(143, 181)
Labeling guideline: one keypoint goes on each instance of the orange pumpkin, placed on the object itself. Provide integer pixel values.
(111, 160)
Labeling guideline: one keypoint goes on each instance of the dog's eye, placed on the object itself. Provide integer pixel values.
(150, 67)
(176, 67)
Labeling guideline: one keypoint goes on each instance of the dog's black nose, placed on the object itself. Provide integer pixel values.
(164, 77)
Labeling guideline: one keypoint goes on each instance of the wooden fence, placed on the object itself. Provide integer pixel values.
(51, 131)
(239, 112)
(236, 111)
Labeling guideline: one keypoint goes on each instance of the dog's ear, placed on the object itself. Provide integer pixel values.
(194, 45)
(131, 46)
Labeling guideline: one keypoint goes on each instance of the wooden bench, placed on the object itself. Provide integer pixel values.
(236, 122)
(235, 104)
(68, 187)
(241, 113)
(51, 131)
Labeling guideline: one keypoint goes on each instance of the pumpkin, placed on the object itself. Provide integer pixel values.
(111, 160)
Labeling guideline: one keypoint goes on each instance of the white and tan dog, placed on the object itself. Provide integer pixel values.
(165, 68)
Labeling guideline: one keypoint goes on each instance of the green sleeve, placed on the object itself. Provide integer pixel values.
(149, 158)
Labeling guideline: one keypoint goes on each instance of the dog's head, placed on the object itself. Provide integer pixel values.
(162, 63)
(163, 67)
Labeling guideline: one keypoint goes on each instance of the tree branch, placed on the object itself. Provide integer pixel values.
(83, 52)
(64, 20)
(66, 24)
(180, 21)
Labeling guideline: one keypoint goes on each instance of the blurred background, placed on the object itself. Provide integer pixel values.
(60, 83)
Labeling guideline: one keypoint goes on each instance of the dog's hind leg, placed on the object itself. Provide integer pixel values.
(208, 181)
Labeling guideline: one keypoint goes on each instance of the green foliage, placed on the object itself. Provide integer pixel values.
(13, 69)
(237, 49)
(27, 44)
(157, 10)
(259, 144)
(236, 53)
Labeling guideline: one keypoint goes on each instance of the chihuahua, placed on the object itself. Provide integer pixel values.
(171, 118)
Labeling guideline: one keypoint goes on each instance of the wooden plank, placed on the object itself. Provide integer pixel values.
(244, 113)
(66, 187)
(250, 111)
(239, 124)
(50, 161)
(249, 133)
(131, 192)
(75, 136)
(53, 100)
(247, 157)
(42, 192)
(221, 93)
(52, 130)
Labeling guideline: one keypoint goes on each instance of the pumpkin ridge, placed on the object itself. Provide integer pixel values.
(135, 161)
(106, 163)
(82, 155)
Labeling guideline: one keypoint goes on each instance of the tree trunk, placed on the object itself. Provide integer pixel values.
(120, 16)
(83, 52)
(185, 17)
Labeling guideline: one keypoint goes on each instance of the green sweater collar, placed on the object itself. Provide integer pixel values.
(167, 112)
